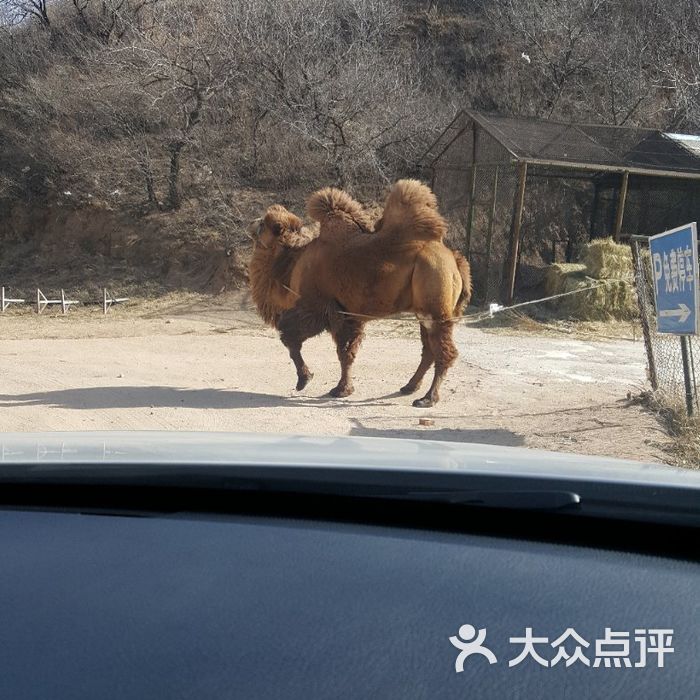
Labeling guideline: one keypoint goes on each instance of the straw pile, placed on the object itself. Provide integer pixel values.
(609, 266)
(607, 260)
(559, 275)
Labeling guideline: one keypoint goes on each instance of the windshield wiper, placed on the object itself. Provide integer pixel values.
(506, 498)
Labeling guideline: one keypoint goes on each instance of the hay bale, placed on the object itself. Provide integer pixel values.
(604, 259)
(610, 263)
(606, 267)
(556, 276)
(613, 299)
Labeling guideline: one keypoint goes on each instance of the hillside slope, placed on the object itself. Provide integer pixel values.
(137, 139)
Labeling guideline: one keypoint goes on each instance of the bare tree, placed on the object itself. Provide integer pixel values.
(591, 59)
(111, 19)
(679, 71)
(17, 11)
(162, 102)
(174, 69)
(554, 44)
(329, 73)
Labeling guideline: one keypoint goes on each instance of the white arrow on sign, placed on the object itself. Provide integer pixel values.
(682, 313)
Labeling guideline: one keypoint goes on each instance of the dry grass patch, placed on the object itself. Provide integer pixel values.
(684, 430)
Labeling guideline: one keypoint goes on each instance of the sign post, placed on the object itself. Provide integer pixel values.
(686, 375)
(674, 262)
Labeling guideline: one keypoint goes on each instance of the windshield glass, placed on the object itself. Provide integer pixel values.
(467, 222)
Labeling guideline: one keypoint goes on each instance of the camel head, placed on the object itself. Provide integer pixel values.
(279, 227)
(279, 240)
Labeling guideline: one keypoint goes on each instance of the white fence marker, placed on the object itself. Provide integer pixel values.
(108, 300)
(6, 301)
(42, 302)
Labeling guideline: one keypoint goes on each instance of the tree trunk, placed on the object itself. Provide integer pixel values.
(257, 120)
(174, 176)
(150, 190)
(150, 187)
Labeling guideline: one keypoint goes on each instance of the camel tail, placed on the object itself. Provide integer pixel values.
(330, 203)
(465, 273)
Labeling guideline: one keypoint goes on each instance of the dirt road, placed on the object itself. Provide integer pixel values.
(212, 366)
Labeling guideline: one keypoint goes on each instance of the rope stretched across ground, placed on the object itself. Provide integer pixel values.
(481, 316)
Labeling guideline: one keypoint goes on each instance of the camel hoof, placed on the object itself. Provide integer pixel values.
(303, 381)
(425, 402)
(408, 389)
(340, 392)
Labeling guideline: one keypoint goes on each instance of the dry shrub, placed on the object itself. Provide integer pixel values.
(683, 429)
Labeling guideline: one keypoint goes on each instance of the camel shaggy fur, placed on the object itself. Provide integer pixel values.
(339, 278)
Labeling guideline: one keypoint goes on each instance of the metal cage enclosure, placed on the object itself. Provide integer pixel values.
(521, 193)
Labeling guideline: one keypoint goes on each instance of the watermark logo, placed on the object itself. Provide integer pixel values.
(469, 642)
(617, 649)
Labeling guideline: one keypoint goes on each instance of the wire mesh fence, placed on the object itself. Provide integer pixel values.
(664, 352)
(652, 204)
(476, 181)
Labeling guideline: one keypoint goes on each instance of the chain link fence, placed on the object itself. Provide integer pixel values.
(652, 205)
(476, 181)
(664, 355)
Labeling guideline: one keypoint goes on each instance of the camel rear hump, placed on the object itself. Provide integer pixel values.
(411, 213)
(411, 193)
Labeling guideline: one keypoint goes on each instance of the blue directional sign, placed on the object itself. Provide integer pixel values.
(674, 263)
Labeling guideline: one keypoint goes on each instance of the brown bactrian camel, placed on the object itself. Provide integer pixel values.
(305, 281)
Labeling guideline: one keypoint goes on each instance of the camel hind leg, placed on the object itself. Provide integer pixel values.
(295, 326)
(437, 287)
(445, 352)
(426, 360)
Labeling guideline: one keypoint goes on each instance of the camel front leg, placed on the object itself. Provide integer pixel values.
(445, 352)
(426, 360)
(295, 326)
(347, 334)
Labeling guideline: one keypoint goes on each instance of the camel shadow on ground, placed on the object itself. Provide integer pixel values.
(126, 397)
(104, 397)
